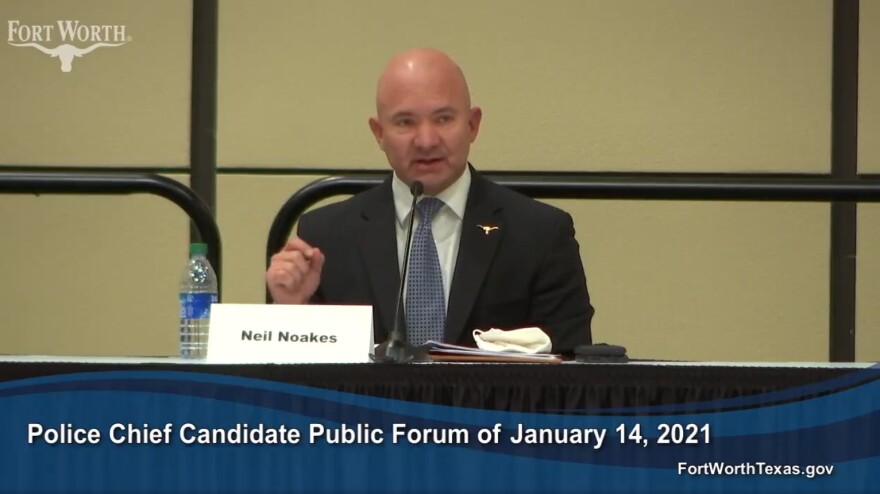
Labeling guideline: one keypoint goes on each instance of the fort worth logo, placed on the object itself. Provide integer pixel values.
(44, 36)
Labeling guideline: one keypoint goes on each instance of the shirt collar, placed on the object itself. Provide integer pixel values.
(454, 196)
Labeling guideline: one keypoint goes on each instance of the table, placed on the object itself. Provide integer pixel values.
(507, 387)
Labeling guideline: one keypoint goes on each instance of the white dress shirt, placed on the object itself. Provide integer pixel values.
(446, 224)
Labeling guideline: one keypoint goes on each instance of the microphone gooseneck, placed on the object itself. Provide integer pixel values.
(400, 329)
(396, 348)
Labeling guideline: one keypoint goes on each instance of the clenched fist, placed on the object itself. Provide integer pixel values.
(295, 273)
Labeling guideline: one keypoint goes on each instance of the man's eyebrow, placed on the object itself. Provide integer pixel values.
(410, 113)
(445, 109)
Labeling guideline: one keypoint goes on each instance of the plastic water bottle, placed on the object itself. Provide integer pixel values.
(198, 290)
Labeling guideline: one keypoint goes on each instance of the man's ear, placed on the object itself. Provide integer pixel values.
(474, 121)
(378, 132)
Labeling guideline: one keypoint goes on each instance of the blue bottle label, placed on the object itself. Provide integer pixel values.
(196, 305)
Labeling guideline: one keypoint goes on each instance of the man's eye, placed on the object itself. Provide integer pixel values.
(404, 122)
(444, 118)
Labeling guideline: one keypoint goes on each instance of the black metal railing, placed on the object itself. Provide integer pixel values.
(572, 186)
(587, 186)
(119, 184)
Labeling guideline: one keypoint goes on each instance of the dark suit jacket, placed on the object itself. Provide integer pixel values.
(528, 272)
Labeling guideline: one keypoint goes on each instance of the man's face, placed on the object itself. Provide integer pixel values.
(425, 127)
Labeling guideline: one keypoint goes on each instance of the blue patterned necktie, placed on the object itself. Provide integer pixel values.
(425, 299)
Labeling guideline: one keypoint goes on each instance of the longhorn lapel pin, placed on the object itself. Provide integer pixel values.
(487, 229)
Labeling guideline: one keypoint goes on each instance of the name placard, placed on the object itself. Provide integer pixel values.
(258, 333)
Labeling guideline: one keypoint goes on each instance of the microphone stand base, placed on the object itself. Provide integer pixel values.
(397, 352)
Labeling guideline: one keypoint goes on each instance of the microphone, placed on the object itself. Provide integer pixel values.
(400, 329)
(396, 348)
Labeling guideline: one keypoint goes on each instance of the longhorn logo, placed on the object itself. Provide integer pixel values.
(487, 229)
(66, 52)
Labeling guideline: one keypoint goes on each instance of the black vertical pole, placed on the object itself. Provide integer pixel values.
(203, 112)
(844, 165)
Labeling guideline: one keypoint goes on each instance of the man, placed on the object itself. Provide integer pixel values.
(482, 256)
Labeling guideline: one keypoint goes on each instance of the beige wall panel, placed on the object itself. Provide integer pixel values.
(90, 275)
(684, 85)
(868, 264)
(869, 87)
(708, 280)
(124, 105)
(246, 206)
(868, 284)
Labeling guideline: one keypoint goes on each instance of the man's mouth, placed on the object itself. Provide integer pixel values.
(427, 161)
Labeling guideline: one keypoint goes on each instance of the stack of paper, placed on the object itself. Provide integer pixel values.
(446, 352)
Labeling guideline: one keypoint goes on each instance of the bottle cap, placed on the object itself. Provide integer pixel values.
(198, 249)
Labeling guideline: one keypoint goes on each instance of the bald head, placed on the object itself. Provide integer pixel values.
(420, 67)
(424, 120)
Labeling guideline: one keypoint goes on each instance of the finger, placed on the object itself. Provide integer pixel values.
(281, 277)
(290, 256)
(283, 265)
(299, 262)
(298, 244)
(317, 263)
(294, 265)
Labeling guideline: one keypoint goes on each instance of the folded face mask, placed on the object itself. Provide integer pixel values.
(525, 340)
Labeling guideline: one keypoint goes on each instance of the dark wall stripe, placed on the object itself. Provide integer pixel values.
(844, 165)
(168, 170)
(278, 171)
(203, 110)
(312, 171)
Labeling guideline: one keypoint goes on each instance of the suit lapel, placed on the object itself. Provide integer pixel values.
(377, 239)
(475, 253)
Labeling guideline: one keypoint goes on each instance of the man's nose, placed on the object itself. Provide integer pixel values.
(427, 136)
